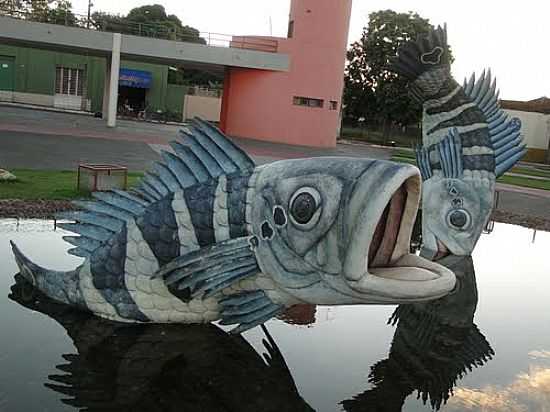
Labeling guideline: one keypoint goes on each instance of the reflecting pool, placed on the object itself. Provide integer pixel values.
(485, 347)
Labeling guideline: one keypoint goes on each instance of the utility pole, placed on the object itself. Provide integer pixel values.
(89, 13)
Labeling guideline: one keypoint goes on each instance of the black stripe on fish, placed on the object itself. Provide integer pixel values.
(474, 162)
(160, 230)
(107, 267)
(237, 187)
(479, 162)
(456, 101)
(200, 200)
(468, 117)
(477, 137)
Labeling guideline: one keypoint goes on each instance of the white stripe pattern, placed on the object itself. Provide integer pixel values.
(94, 299)
(476, 150)
(433, 103)
(186, 230)
(221, 211)
(151, 295)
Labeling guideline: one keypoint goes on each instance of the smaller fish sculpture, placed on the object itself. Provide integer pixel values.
(208, 236)
(468, 142)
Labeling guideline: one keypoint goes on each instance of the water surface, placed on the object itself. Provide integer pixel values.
(55, 359)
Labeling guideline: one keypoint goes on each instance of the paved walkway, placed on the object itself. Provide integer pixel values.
(59, 141)
(48, 128)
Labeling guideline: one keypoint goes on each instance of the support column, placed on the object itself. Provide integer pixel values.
(106, 87)
(225, 100)
(113, 82)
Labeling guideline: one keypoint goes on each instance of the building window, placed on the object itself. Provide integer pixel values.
(290, 29)
(308, 101)
(69, 81)
(333, 105)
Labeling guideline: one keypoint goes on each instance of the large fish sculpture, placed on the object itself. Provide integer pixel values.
(468, 142)
(209, 236)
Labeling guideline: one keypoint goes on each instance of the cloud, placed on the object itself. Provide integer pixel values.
(529, 391)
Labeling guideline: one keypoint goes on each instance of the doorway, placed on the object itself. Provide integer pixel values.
(7, 76)
(132, 100)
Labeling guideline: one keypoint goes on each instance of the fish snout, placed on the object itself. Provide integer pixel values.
(378, 264)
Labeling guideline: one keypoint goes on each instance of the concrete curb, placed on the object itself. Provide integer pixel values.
(45, 108)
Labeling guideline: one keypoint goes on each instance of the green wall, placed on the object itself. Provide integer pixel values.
(175, 96)
(35, 73)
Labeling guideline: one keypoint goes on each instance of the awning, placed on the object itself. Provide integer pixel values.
(135, 78)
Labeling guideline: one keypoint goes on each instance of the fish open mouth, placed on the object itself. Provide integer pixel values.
(378, 261)
(387, 230)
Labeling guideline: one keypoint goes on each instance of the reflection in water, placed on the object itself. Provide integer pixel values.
(121, 367)
(299, 315)
(434, 345)
(530, 391)
(200, 367)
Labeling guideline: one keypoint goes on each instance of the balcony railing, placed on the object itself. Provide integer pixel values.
(165, 31)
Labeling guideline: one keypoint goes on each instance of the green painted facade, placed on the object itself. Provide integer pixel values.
(34, 72)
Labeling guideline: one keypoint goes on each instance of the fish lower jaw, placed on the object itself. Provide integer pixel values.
(410, 279)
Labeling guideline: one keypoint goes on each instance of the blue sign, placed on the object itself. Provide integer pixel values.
(135, 78)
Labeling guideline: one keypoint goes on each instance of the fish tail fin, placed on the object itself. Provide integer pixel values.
(60, 286)
(429, 51)
(28, 269)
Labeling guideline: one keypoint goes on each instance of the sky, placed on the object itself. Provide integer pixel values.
(511, 38)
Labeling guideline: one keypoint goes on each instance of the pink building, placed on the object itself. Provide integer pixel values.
(301, 106)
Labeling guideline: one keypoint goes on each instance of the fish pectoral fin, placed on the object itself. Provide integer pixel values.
(211, 269)
(247, 310)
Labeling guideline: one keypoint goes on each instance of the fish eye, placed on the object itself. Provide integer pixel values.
(459, 219)
(304, 205)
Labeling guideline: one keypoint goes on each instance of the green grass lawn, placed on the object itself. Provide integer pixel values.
(403, 157)
(525, 182)
(61, 185)
(529, 171)
(46, 184)
(376, 137)
(409, 154)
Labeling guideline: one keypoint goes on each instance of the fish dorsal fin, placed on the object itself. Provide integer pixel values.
(201, 153)
(505, 133)
(450, 155)
(483, 92)
(99, 220)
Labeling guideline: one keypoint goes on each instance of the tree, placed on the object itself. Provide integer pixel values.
(37, 10)
(8, 7)
(110, 22)
(62, 14)
(151, 21)
(372, 91)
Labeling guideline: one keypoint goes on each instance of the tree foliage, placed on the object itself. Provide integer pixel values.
(151, 21)
(43, 11)
(372, 92)
(62, 14)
